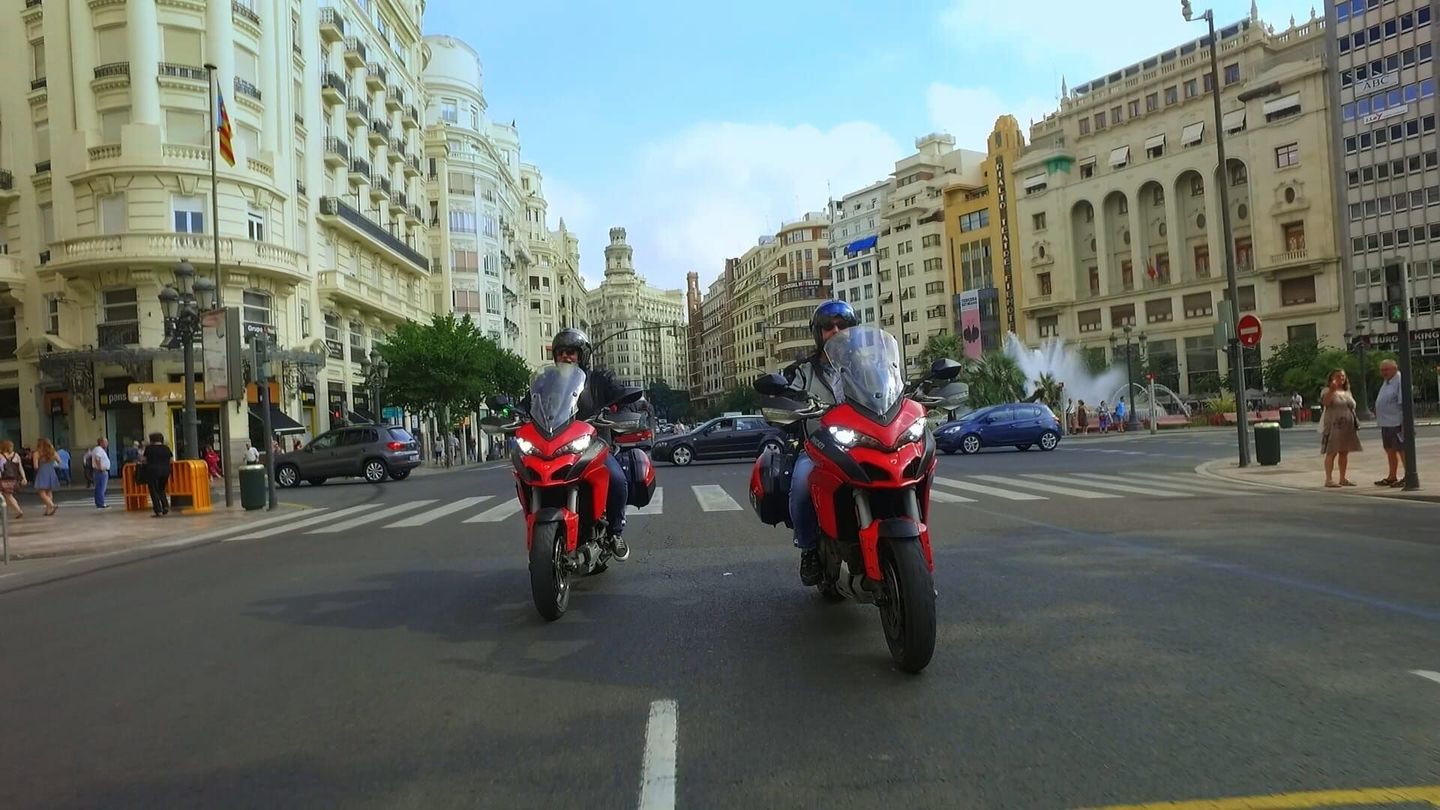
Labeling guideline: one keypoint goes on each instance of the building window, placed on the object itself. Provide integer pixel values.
(1135, 108)
(1192, 89)
(1115, 116)
(1127, 275)
(256, 311)
(1087, 170)
(1294, 237)
(120, 307)
(305, 318)
(1287, 155)
(1244, 254)
(189, 214)
(1297, 291)
(37, 60)
(1152, 102)
(1094, 279)
(933, 240)
(1038, 220)
(8, 332)
(1049, 326)
(1232, 73)
(1045, 284)
(52, 314)
(1202, 261)
(1302, 333)
(1099, 120)
(1084, 126)
(462, 221)
(974, 220)
(357, 341)
(449, 111)
(255, 225)
(1198, 305)
(1172, 95)
(112, 213)
(1239, 175)
(1159, 310)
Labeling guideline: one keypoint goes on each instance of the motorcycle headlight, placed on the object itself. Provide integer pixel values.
(845, 437)
(579, 445)
(525, 446)
(915, 432)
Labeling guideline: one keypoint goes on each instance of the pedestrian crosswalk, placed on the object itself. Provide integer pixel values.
(1012, 491)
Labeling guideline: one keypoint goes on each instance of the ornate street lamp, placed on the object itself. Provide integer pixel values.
(1132, 421)
(376, 372)
(183, 304)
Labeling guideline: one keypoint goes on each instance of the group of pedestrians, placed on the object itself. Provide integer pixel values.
(1340, 426)
(1077, 416)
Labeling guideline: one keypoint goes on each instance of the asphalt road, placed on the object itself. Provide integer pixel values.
(1180, 640)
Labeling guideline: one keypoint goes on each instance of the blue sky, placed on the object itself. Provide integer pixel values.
(698, 127)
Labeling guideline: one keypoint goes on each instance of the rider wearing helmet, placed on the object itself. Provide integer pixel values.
(817, 378)
(573, 346)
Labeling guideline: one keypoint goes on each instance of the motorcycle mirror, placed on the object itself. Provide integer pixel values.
(499, 402)
(771, 385)
(630, 396)
(945, 369)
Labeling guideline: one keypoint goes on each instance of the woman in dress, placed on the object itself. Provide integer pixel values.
(47, 474)
(1339, 430)
(212, 462)
(12, 476)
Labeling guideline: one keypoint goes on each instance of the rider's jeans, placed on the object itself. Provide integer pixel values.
(802, 507)
(618, 496)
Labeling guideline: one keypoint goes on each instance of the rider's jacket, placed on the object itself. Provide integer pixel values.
(816, 377)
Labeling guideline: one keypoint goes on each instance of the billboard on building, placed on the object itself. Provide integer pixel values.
(220, 355)
(969, 308)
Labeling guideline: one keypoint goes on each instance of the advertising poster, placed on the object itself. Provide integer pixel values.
(970, 323)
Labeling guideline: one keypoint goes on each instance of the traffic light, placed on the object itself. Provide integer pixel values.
(1397, 292)
(1186, 10)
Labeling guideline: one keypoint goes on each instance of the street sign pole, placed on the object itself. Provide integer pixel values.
(1407, 401)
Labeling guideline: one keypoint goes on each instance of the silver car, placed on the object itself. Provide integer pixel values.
(372, 452)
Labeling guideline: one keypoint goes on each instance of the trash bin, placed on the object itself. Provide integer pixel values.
(1267, 443)
(1287, 418)
(1315, 413)
(253, 492)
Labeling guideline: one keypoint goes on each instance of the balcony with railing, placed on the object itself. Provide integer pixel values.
(242, 11)
(395, 98)
(397, 151)
(42, 166)
(412, 117)
(337, 152)
(300, 188)
(117, 335)
(357, 112)
(359, 171)
(376, 76)
(1294, 256)
(332, 25)
(113, 70)
(7, 183)
(94, 255)
(378, 191)
(416, 216)
(412, 166)
(244, 88)
(172, 70)
(355, 52)
(334, 211)
(38, 84)
(398, 200)
(379, 131)
(333, 88)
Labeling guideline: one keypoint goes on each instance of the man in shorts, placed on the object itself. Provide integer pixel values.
(1389, 415)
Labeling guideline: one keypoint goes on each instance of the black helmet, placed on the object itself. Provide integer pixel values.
(573, 339)
(834, 311)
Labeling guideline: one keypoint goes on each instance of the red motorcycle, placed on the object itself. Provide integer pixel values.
(874, 460)
(562, 481)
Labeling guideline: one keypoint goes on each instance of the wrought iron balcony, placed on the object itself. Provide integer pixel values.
(358, 110)
(244, 88)
(412, 118)
(332, 25)
(376, 75)
(7, 181)
(244, 12)
(361, 167)
(355, 53)
(38, 84)
(379, 128)
(412, 166)
(334, 207)
(177, 71)
(42, 166)
(300, 188)
(112, 69)
(336, 148)
(116, 335)
(395, 98)
(333, 88)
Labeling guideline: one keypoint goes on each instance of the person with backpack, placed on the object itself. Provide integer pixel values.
(12, 476)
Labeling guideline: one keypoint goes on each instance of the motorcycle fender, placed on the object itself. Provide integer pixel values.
(568, 520)
(891, 530)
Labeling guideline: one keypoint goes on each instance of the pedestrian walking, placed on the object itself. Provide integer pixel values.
(64, 469)
(1070, 416)
(12, 476)
(212, 462)
(1120, 412)
(47, 474)
(1339, 429)
(97, 461)
(1102, 413)
(157, 473)
(1082, 419)
(252, 455)
(1390, 416)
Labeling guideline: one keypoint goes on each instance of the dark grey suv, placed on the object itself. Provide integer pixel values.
(372, 452)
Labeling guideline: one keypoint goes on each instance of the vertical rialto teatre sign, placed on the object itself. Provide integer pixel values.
(1001, 194)
(220, 355)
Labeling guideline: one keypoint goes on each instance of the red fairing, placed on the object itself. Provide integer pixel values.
(884, 469)
(572, 530)
(560, 472)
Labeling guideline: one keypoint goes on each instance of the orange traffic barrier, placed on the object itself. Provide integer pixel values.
(189, 487)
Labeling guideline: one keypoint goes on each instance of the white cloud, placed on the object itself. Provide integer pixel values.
(1084, 42)
(969, 113)
(691, 200)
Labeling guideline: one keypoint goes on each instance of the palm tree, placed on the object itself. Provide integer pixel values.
(1050, 391)
(944, 345)
(994, 379)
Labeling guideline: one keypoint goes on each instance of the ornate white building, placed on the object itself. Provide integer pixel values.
(638, 330)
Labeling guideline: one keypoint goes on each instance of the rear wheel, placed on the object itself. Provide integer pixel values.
(375, 470)
(1022, 447)
(315, 482)
(399, 475)
(549, 581)
(908, 611)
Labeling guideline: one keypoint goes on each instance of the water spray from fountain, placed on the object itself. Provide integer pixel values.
(1067, 365)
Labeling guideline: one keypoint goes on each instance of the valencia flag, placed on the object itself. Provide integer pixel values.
(222, 125)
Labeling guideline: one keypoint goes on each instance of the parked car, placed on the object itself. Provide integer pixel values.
(721, 437)
(373, 452)
(1020, 425)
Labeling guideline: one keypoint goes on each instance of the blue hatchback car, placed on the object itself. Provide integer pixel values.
(1021, 425)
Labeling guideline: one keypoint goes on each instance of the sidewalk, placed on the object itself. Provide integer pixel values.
(1302, 467)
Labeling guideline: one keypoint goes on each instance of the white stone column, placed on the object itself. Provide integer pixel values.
(1174, 226)
(274, 64)
(1102, 253)
(1214, 236)
(142, 31)
(1139, 241)
(220, 46)
(83, 52)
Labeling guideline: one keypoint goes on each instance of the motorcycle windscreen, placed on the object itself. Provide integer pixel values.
(868, 361)
(554, 397)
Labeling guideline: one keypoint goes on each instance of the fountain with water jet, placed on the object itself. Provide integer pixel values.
(1067, 365)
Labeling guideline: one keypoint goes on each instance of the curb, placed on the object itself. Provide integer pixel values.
(97, 547)
(1209, 469)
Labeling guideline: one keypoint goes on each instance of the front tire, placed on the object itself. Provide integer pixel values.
(287, 476)
(770, 445)
(1022, 447)
(549, 581)
(1049, 440)
(682, 456)
(970, 444)
(908, 614)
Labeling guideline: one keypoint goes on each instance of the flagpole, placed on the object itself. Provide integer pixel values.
(214, 186)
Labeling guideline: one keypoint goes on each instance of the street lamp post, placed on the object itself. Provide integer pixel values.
(1132, 420)
(1355, 341)
(1237, 366)
(183, 305)
(375, 376)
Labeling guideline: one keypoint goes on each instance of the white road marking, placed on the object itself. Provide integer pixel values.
(945, 497)
(372, 517)
(439, 512)
(657, 772)
(1187, 481)
(497, 513)
(984, 490)
(1070, 492)
(1105, 482)
(656, 505)
(1426, 674)
(299, 524)
(714, 498)
(210, 535)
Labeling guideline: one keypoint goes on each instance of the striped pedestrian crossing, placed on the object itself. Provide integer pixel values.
(367, 519)
(497, 513)
(438, 512)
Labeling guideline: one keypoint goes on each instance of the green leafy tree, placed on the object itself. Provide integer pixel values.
(741, 398)
(448, 366)
(994, 379)
(944, 345)
(668, 402)
(1050, 390)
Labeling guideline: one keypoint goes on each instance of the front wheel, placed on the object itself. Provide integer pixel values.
(1049, 440)
(1022, 447)
(769, 446)
(287, 476)
(970, 444)
(908, 612)
(549, 581)
(682, 456)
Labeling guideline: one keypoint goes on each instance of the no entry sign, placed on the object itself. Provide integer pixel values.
(1249, 331)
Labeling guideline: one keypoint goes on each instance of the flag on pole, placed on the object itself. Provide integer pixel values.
(1150, 268)
(222, 125)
